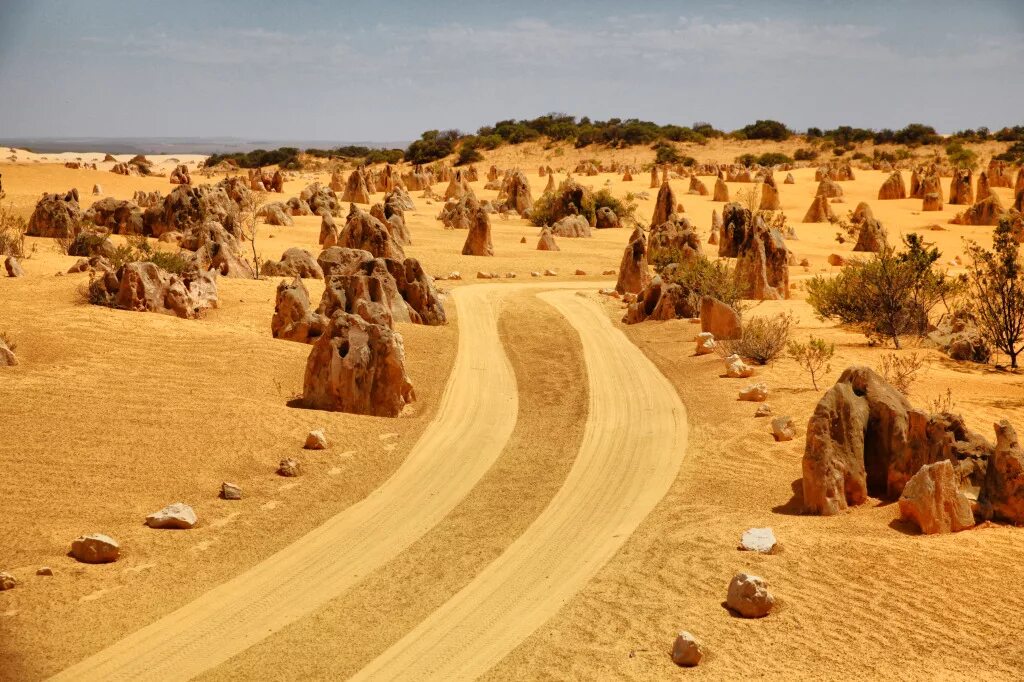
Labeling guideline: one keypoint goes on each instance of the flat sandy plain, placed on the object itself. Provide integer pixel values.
(112, 414)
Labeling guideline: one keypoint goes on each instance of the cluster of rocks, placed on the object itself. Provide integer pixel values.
(145, 287)
(265, 181)
(180, 175)
(865, 439)
(762, 258)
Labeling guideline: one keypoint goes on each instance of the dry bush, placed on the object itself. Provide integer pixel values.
(814, 357)
(12, 234)
(763, 340)
(901, 370)
(943, 402)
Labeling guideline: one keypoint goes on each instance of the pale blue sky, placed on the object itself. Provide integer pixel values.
(389, 70)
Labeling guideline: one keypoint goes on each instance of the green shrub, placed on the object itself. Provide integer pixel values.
(700, 276)
(765, 130)
(804, 154)
(665, 153)
(468, 154)
(814, 357)
(889, 295)
(773, 159)
(625, 210)
(433, 145)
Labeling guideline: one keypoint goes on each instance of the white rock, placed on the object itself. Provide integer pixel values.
(95, 549)
(748, 596)
(783, 429)
(687, 651)
(316, 440)
(705, 343)
(178, 516)
(735, 368)
(758, 540)
(755, 393)
(455, 274)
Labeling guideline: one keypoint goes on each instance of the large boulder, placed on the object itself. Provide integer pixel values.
(295, 262)
(606, 218)
(417, 288)
(355, 189)
(180, 176)
(720, 320)
(674, 240)
(1002, 495)
(457, 214)
(634, 273)
(276, 213)
(893, 187)
(820, 211)
(664, 205)
(515, 193)
(864, 439)
(56, 215)
(369, 291)
(762, 258)
(95, 549)
(986, 212)
(478, 241)
(145, 287)
(932, 499)
(187, 208)
(872, 236)
(357, 367)
(659, 301)
(294, 318)
(118, 216)
(571, 226)
(961, 190)
(363, 231)
(322, 200)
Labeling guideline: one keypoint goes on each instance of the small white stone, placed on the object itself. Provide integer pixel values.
(178, 516)
(316, 440)
(758, 540)
(756, 393)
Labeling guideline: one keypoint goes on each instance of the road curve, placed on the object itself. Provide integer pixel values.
(633, 443)
(475, 419)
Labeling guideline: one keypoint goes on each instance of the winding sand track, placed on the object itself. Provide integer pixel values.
(633, 443)
(477, 415)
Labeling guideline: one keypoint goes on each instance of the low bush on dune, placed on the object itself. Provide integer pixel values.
(548, 208)
(888, 295)
(139, 250)
(804, 154)
(699, 276)
(814, 357)
(766, 159)
(12, 234)
(763, 339)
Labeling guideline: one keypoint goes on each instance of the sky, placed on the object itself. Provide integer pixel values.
(375, 70)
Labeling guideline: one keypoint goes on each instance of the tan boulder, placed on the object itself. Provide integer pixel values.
(719, 319)
(356, 191)
(961, 190)
(478, 241)
(820, 211)
(95, 549)
(686, 650)
(178, 516)
(893, 187)
(634, 273)
(546, 242)
(294, 318)
(721, 191)
(932, 500)
(749, 597)
(1002, 494)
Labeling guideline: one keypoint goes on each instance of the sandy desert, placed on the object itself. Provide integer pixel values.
(482, 459)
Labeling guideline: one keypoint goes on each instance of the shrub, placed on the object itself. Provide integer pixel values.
(468, 154)
(900, 370)
(960, 156)
(665, 153)
(139, 250)
(888, 295)
(433, 145)
(12, 234)
(1014, 154)
(625, 210)
(765, 130)
(804, 154)
(996, 285)
(773, 159)
(699, 277)
(814, 357)
(763, 339)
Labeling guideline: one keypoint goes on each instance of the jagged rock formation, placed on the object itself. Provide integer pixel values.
(515, 194)
(56, 215)
(960, 187)
(820, 211)
(478, 241)
(120, 217)
(634, 273)
(363, 231)
(893, 187)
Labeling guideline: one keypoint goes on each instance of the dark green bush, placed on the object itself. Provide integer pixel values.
(804, 154)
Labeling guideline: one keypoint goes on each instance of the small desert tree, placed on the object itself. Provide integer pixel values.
(996, 281)
(888, 295)
(249, 220)
(814, 357)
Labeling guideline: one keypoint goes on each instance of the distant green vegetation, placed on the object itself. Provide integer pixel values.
(290, 157)
(766, 159)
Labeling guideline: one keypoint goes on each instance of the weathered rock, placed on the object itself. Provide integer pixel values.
(357, 367)
(7, 582)
(634, 273)
(755, 393)
(735, 368)
(322, 200)
(276, 213)
(721, 191)
(986, 212)
(338, 260)
(7, 357)
(705, 343)
(758, 540)
(546, 242)
(120, 217)
(893, 187)
(828, 188)
(458, 214)
(769, 196)
(664, 205)
(295, 262)
(355, 189)
(363, 231)
(230, 491)
(790, 180)
(178, 516)
(316, 440)
(1002, 494)
(606, 218)
(571, 226)
(961, 190)
(145, 287)
(659, 301)
(762, 265)
(783, 429)
(984, 188)
(674, 240)
(478, 241)
(95, 549)
(686, 650)
(697, 186)
(44, 571)
(294, 318)
(328, 231)
(417, 288)
(56, 215)
(13, 267)
(719, 319)
(749, 597)
(515, 193)
(872, 236)
(289, 468)
(820, 211)
(933, 501)
(180, 175)
(763, 410)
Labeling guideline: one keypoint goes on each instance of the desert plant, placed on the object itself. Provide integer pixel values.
(996, 284)
(763, 339)
(944, 402)
(901, 370)
(700, 276)
(814, 357)
(249, 221)
(12, 234)
(665, 153)
(888, 295)
(803, 154)
(625, 208)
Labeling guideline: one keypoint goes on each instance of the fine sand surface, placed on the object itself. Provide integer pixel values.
(112, 415)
